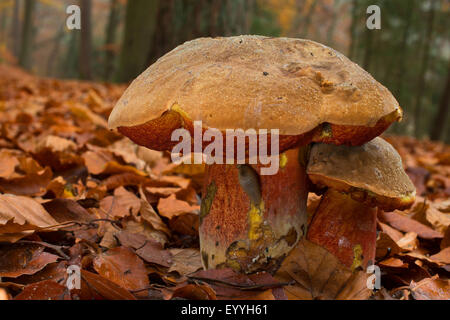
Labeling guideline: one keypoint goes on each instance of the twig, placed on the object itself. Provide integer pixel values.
(242, 286)
(58, 249)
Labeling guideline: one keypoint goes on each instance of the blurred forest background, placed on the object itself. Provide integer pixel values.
(119, 39)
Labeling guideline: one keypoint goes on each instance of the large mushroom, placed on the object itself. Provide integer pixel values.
(309, 92)
(357, 179)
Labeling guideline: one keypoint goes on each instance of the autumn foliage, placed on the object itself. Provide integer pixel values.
(73, 192)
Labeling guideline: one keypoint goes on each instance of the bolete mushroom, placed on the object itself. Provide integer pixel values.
(358, 179)
(308, 92)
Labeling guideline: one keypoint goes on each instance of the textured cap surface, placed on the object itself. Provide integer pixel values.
(375, 166)
(256, 82)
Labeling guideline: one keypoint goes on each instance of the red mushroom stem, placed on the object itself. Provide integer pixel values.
(346, 228)
(248, 221)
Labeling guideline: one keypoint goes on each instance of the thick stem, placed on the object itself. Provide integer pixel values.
(346, 228)
(248, 221)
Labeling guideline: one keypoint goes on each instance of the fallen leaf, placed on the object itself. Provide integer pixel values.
(122, 204)
(406, 224)
(319, 275)
(442, 257)
(431, 289)
(21, 214)
(171, 207)
(194, 292)
(106, 288)
(408, 241)
(44, 290)
(185, 261)
(23, 259)
(121, 266)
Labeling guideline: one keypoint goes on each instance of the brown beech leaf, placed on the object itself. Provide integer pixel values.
(408, 241)
(64, 210)
(122, 204)
(431, 289)
(23, 259)
(4, 295)
(8, 163)
(148, 214)
(149, 250)
(106, 288)
(194, 292)
(386, 246)
(394, 234)
(446, 241)
(56, 271)
(153, 252)
(172, 207)
(44, 290)
(21, 214)
(123, 267)
(406, 224)
(319, 275)
(229, 285)
(393, 263)
(56, 152)
(145, 229)
(124, 179)
(98, 162)
(442, 257)
(33, 184)
(185, 261)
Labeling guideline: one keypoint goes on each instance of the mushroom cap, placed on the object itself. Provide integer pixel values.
(372, 173)
(255, 82)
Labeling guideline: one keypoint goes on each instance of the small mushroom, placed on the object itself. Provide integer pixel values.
(312, 93)
(356, 180)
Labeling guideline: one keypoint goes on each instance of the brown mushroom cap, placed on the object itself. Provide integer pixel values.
(372, 173)
(256, 82)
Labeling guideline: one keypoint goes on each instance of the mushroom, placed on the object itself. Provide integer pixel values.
(358, 179)
(307, 91)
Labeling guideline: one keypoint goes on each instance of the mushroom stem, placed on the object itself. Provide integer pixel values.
(346, 228)
(249, 222)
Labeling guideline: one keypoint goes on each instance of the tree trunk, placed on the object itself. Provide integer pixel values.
(332, 27)
(53, 57)
(140, 21)
(69, 69)
(163, 40)
(86, 39)
(402, 51)
(352, 50)
(111, 31)
(214, 18)
(15, 29)
(368, 51)
(423, 70)
(308, 20)
(27, 34)
(440, 121)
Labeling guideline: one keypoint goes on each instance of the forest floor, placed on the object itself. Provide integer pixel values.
(73, 193)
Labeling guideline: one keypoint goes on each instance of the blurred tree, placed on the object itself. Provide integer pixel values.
(353, 30)
(140, 21)
(69, 65)
(402, 48)
(54, 53)
(180, 21)
(111, 31)
(163, 40)
(438, 125)
(424, 67)
(308, 17)
(86, 39)
(26, 46)
(15, 29)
